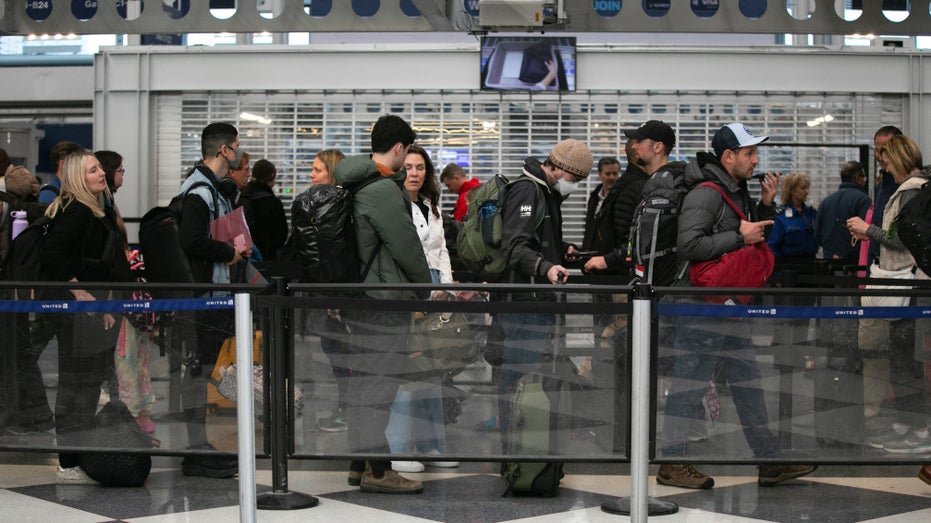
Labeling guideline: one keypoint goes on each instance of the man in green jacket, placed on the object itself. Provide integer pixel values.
(386, 235)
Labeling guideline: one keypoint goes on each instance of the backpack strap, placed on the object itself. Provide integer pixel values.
(50, 187)
(368, 265)
(213, 193)
(727, 199)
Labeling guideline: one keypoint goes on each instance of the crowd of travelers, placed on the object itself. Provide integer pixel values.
(400, 236)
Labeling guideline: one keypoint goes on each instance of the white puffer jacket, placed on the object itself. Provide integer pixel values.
(433, 241)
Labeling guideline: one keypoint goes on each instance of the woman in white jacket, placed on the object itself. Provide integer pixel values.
(416, 421)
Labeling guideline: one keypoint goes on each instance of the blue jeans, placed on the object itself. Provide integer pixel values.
(525, 337)
(703, 345)
(417, 413)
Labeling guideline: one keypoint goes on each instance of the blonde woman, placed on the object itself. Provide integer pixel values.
(77, 250)
(332, 330)
(909, 434)
(793, 233)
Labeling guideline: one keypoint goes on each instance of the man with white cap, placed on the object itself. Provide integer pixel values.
(708, 228)
(532, 243)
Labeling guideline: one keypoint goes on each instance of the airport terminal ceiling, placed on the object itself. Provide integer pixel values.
(824, 17)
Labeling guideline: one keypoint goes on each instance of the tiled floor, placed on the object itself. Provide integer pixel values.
(470, 494)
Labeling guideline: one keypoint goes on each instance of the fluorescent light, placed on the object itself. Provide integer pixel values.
(254, 118)
(820, 120)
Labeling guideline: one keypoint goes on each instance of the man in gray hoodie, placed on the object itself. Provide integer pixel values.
(708, 228)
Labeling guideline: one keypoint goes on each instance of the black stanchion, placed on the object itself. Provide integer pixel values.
(278, 411)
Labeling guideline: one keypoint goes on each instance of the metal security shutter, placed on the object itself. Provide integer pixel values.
(493, 132)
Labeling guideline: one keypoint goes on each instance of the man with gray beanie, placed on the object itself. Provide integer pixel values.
(532, 243)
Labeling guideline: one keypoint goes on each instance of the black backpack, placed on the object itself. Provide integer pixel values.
(159, 239)
(25, 256)
(7, 205)
(323, 235)
(115, 428)
(652, 244)
(913, 227)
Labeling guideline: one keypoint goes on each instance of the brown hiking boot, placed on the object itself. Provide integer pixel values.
(774, 474)
(355, 478)
(390, 483)
(683, 476)
(925, 474)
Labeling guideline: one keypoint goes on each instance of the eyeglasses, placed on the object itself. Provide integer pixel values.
(121, 170)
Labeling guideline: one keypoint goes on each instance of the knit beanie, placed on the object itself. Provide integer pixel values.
(20, 182)
(572, 156)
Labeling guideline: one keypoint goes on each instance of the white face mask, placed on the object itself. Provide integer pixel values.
(565, 187)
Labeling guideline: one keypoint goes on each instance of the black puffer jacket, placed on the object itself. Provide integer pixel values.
(625, 195)
(322, 238)
(708, 227)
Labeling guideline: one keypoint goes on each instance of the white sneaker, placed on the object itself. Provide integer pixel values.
(441, 464)
(73, 476)
(407, 466)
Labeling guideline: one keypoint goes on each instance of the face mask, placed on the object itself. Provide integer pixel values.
(565, 187)
(234, 163)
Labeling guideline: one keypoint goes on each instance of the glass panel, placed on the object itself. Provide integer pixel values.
(447, 389)
(157, 361)
(799, 377)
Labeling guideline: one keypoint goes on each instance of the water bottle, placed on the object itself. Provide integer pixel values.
(19, 222)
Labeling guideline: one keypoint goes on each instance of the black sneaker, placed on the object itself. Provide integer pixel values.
(210, 466)
(335, 423)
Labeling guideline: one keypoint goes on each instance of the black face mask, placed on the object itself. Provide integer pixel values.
(229, 189)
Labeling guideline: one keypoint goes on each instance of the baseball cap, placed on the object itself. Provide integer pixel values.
(734, 136)
(654, 130)
(572, 156)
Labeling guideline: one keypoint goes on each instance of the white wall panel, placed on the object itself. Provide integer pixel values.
(340, 90)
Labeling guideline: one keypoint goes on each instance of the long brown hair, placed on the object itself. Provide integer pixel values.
(430, 189)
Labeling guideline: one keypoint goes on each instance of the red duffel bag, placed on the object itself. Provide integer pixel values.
(747, 267)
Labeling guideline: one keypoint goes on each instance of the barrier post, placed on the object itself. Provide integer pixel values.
(277, 407)
(245, 415)
(638, 506)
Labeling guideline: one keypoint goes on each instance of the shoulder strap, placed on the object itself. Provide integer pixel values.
(50, 187)
(540, 201)
(368, 181)
(368, 265)
(213, 194)
(727, 199)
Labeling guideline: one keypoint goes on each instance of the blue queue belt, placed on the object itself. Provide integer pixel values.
(790, 311)
(188, 304)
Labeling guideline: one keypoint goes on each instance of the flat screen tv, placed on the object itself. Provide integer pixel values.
(528, 63)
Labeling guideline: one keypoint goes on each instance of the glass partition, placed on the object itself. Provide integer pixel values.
(804, 374)
(436, 379)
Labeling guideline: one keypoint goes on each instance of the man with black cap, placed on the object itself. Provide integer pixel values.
(648, 148)
(708, 228)
(532, 243)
